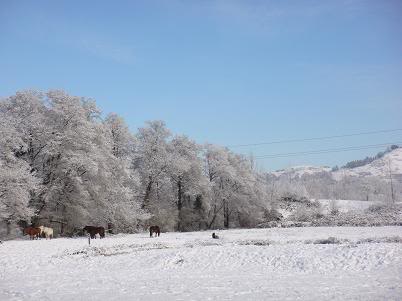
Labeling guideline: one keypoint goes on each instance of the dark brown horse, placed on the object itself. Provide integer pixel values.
(95, 230)
(32, 232)
(154, 229)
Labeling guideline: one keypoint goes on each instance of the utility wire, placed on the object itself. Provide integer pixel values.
(315, 138)
(325, 151)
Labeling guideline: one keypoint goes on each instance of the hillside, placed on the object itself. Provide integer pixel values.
(299, 171)
(378, 168)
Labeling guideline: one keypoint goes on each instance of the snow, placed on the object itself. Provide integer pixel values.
(299, 171)
(255, 264)
(379, 167)
(346, 205)
(326, 206)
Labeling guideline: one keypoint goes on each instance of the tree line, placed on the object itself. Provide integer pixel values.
(62, 163)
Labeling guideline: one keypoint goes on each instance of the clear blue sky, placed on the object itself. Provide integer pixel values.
(226, 72)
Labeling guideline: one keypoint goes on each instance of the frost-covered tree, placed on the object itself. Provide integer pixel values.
(17, 182)
(67, 149)
(234, 186)
(185, 171)
(120, 138)
(61, 164)
(151, 161)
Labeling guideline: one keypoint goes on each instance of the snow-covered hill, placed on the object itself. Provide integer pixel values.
(391, 162)
(381, 167)
(257, 264)
(299, 171)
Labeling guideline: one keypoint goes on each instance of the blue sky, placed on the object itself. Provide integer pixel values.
(226, 72)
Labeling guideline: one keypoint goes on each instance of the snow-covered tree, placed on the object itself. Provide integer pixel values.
(234, 185)
(17, 182)
(121, 140)
(185, 171)
(61, 163)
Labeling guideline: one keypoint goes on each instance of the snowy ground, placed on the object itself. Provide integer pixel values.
(346, 205)
(257, 264)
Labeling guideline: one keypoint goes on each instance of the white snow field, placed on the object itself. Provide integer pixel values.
(346, 205)
(255, 264)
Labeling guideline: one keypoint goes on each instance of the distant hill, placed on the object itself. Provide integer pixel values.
(378, 166)
(371, 181)
(300, 171)
(391, 162)
(368, 160)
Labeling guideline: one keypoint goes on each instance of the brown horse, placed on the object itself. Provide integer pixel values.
(95, 230)
(154, 229)
(32, 232)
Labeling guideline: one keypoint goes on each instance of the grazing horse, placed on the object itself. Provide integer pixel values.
(95, 230)
(154, 229)
(32, 232)
(47, 231)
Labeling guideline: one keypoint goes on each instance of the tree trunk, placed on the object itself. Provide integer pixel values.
(226, 214)
(145, 202)
(179, 203)
(212, 221)
(8, 228)
(215, 214)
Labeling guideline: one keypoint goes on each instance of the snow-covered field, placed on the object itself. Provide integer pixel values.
(346, 205)
(256, 264)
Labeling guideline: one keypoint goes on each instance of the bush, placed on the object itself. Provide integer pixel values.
(376, 215)
(272, 215)
(304, 214)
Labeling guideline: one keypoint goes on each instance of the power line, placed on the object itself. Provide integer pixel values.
(324, 151)
(315, 138)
